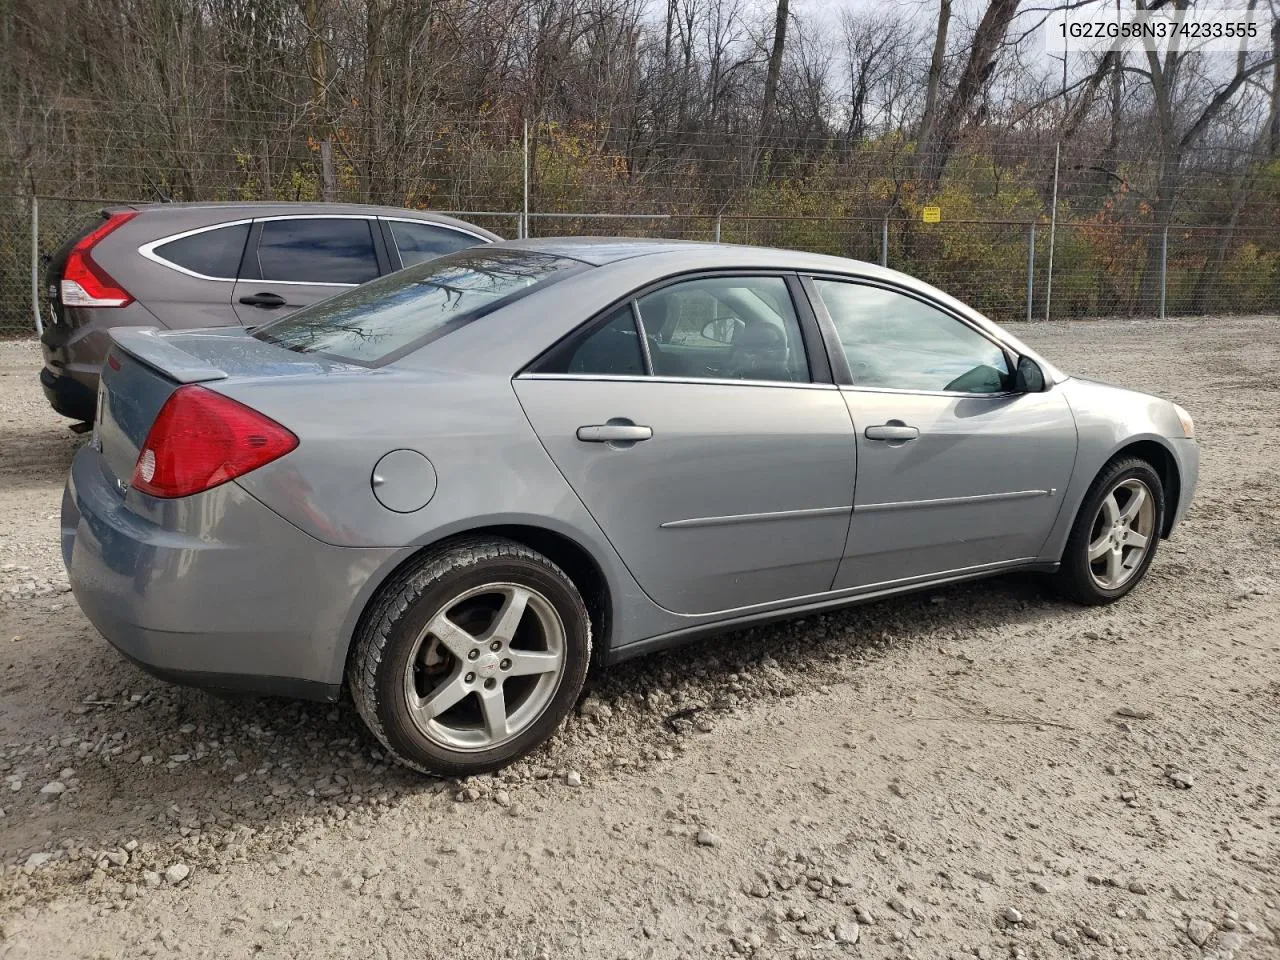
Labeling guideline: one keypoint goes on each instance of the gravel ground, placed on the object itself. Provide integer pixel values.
(979, 771)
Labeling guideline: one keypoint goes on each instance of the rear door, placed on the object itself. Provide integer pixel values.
(202, 264)
(719, 461)
(294, 261)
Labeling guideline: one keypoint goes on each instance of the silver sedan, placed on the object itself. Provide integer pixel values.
(452, 489)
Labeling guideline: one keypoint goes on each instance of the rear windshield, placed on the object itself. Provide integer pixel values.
(386, 318)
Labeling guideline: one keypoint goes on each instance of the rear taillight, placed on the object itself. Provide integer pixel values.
(202, 439)
(84, 282)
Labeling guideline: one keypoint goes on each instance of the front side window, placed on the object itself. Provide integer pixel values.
(211, 253)
(317, 250)
(426, 241)
(895, 341)
(402, 311)
(734, 328)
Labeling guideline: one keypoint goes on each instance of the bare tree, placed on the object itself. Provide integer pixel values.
(874, 48)
(1187, 101)
(940, 135)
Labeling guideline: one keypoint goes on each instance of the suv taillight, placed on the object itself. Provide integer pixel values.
(84, 282)
(202, 439)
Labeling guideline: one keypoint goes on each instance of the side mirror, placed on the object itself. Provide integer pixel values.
(1028, 377)
(722, 330)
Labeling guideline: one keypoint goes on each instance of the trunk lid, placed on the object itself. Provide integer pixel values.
(225, 351)
(130, 395)
(146, 365)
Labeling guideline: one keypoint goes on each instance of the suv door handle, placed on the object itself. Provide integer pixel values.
(615, 432)
(268, 300)
(892, 431)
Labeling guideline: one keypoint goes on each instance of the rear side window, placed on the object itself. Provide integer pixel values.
(735, 328)
(211, 253)
(425, 241)
(385, 319)
(612, 348)
(317, 250)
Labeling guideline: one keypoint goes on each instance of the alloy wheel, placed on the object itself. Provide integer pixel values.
(485, 666)
(1122, 534)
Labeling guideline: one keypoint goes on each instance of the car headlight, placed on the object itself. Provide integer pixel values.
(1188, 425)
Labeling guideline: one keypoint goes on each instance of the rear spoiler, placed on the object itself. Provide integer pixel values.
(149, 345)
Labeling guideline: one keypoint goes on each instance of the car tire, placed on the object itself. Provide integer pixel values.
(438, 658)
(1101, 542)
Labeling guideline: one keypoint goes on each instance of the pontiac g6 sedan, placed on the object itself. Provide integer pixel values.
(452, 488)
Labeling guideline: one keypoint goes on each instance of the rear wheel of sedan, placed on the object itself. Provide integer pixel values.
(1115, 534)
(471, 658)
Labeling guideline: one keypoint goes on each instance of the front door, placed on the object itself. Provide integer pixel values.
(956, 470)
(719, 471)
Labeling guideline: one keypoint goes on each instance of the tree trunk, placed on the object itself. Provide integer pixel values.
(328, 178)
(775, 69)
(982, 61)
(858, 106)
(1273, 133)
(1111, 156)
(267, 187)
(934, 84)
(316, 67)
(1208, 278)
(373, 97)
(1148, 300)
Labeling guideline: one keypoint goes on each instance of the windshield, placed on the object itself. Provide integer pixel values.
(386, 318)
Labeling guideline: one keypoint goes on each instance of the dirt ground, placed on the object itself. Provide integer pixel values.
(978, 771)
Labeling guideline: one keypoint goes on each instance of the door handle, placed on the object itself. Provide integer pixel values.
(892, 431)
(268, 300)
(627, 432)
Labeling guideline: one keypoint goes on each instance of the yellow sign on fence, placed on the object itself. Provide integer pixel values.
(931, 214)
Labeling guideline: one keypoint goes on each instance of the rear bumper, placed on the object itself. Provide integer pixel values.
(74, 351)
(213, 590)
(69, 396)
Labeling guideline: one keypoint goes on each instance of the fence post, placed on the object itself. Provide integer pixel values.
(1053, 231)
(524, 232)
(1031, 268)
(1164, 260)
(35, 264)
(717, 228)
(884, 241)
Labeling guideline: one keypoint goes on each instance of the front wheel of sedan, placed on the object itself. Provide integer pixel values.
(1114, 538)
(471, 658)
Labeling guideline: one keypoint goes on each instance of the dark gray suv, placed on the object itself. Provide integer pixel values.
(216, 264)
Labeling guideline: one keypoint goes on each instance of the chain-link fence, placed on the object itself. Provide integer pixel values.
(1000, 267)
(31, 229)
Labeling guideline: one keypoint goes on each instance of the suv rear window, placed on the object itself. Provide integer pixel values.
(211, 253)
(423, 241)
(385, 319)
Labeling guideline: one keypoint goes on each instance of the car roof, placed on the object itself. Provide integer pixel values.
(236, 209)
(601, 251)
